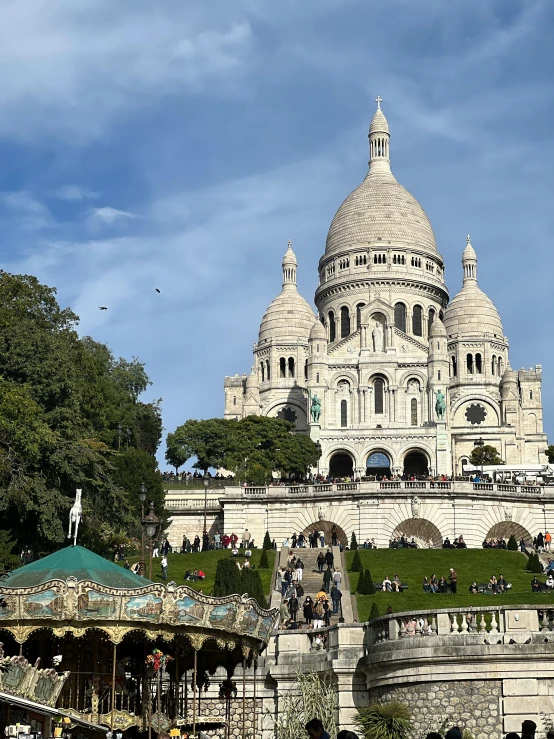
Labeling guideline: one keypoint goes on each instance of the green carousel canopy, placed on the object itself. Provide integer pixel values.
(77, 562)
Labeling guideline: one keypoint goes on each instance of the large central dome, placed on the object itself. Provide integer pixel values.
(380, 210)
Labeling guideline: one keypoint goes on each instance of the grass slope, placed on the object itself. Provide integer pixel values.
(178, 564)
(412, 565)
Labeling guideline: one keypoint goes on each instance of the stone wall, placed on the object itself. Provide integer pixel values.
(437, 706)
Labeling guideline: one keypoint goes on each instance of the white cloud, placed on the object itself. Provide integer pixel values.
(75, 193)
(109, 215)
(29, 213)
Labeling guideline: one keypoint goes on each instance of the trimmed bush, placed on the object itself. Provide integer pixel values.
(264, 560)
(390, 720)
(534, 564)
(356, 565)
(512, 544)
(365, 584)
(227, 578)
(374, 613)
(353, 542)
(267, 542)
(369, 583)
(251, 583)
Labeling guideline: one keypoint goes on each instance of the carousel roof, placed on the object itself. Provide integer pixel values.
(77, 562)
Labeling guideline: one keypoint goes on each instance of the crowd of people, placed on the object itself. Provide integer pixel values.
(441, 584)
(458, 543)
(495, 586)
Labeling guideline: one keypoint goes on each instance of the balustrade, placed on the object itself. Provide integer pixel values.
(347, 486)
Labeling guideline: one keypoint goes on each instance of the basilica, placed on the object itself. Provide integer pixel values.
(391, 377)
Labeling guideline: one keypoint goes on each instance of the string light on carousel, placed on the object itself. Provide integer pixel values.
(110, 651)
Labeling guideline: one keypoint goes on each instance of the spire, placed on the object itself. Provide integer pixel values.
(469, 263)
(289, 268)
(379, 138)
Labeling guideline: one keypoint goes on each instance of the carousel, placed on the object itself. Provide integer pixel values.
(90, 647)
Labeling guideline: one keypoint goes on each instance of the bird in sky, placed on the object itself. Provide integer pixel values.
(158, 291)
(102, 307)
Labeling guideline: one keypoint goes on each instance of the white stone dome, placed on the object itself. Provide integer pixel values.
(471, 312)
(318, 332)
(438, 329)
(289, 317)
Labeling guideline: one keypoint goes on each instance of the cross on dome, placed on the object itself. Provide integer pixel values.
(468, 239)
(378, 100)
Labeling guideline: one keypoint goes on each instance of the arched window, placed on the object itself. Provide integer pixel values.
(359, 314)
(454, 367)
(344, 322)
(379, 392)
(400, 316)
(262, 368)
(493, 364)
(530, 395)
(438, 374)
(282, 367)
(267, 372)
(469, 364)
(306, 369)
(478, 364)
(317, 377)
(413, 411)
(291, 367)
(234, 399)
(332, 328)
(343, 413)
(430, 320)
(500, 367)
(417, 321)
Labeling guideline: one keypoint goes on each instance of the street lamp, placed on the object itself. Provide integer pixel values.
(480, 443)
(142, 496)
(318, 445)
(150, 525)
(205, 534)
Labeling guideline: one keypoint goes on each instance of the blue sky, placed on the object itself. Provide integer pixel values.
(178, 145)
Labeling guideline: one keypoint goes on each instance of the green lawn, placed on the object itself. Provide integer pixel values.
(412, 565)
(206, 561)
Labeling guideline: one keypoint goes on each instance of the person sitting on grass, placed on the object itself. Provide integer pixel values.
(387, 586)
(550, 581)
(493, 585)
(535, 585)
(433, 584)
(426, 585)
(442, 585)
(473, 589)
(502, 584)
(396, 584)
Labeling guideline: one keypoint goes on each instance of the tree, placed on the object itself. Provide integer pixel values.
(353, 541)
(356, 565)
(178, 450)
(267, 541)
(309, 697)
(485, 455)
(550, 453)
(365, 584)
(512, 544)
(534, 564)
(374, 613)
(389, 720)
(370, 587)
(251, 583)
(8, 560)
(227, 579)
(264, 560)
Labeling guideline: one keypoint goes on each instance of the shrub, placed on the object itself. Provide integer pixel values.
(267, 541)
(534, 564)
(391, 720)
(512, 544)
(356, 565)
(530, 562)
(251, 583)
(353, 542)
(369, 583)
(374, 613)
(227, 578)
(264, 560)
(365, 584)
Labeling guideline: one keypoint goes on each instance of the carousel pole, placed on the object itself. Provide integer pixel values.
(244, 698)
(194, 692)
(159, 689)
(114, 664)
(177, 697)
(255, 717)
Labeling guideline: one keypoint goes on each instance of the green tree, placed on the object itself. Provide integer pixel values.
(178, 450)
(388, 720)
(550, 453)
(374, 613)
(512, 544)
(264, 560)
(485, 455)
(311, 696)
(353, 541)
(267, 541)
(356, 565)
(251, 583)
(8, 559)
(227, 579)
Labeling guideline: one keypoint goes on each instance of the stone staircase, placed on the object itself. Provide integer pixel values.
(312, 579)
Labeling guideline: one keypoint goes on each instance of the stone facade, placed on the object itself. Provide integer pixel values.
(386, 342)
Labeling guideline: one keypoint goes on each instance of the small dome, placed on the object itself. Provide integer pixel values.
(438, 330)
(289, 317)
(469, 252)
(472, 313)
(318, 332)
(509, 377)
(290, 256)
(252, 380)
(379, 123)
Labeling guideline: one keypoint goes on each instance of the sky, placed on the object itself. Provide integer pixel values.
(179, 145)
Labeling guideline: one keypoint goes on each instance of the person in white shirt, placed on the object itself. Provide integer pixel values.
(163, 563)
(337, 578)
(550, 581)
(387, 584)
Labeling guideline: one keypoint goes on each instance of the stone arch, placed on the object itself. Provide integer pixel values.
(416, 462)
(326, 528)
(342, 463)
(343, 377)
(490, 406)
(422, 530)
(275, 408)
(505, 529)
(412, 374)
(374, 457)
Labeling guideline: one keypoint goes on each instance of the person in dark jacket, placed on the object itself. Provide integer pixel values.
(320, 561)
(308, 610)
(336, 595)
(329, 558)
(293, 608)
(327, 578)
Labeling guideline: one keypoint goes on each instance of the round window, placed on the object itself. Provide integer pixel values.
(475, 414)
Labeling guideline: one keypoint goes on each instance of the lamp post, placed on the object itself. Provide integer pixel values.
(150, 525)
(318, 445)
(480, 443)
(142, 496)
(205, 534)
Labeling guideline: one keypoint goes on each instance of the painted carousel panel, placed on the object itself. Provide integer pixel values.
(146, 607)
(48, 604)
